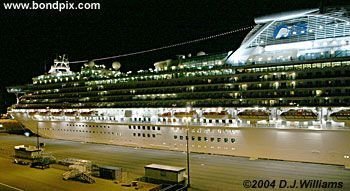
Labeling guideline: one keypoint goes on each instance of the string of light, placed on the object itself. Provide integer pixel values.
(168, 46)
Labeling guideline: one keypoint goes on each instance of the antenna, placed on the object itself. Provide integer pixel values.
(61, 64)
(322, 6)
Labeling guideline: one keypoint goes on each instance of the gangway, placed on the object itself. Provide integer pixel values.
(87, 178)
(76, 174)
(174, 187)
(70, 174)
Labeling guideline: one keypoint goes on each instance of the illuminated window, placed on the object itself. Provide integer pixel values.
(244, 87)
(318, 92)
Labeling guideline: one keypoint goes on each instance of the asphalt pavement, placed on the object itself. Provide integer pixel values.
(207, 172)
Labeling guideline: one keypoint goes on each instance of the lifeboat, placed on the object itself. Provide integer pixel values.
(44, 113)
(341, 116)
(254, 115)
(216, 115)
(185, 114)
(71, 113)
(167, 114)
(33, 113)
(299, 115)
(57, 113)
(88, 113)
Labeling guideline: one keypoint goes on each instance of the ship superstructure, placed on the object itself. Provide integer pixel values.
(284, 94)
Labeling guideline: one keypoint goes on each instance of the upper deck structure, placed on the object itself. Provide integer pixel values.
(296, 36)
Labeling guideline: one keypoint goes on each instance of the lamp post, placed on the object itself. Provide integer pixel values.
(188, 154)
(37, 136)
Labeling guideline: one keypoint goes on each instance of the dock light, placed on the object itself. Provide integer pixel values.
(27, 134)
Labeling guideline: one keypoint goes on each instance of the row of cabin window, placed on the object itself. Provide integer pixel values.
(143, 135)
(81, 131)
(142, 119)
(76, 125)
(179, 120)
(144, 127)
(212, 139)
(203, 121)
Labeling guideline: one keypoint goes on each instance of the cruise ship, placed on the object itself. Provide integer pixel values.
(284, 94)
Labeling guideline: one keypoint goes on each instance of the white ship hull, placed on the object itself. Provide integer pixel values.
(330, 146)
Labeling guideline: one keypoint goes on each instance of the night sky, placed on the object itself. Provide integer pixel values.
(30, 40)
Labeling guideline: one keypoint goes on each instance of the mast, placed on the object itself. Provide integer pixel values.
(61, 64)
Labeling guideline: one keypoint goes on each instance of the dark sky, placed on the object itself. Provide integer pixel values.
(31, 39)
